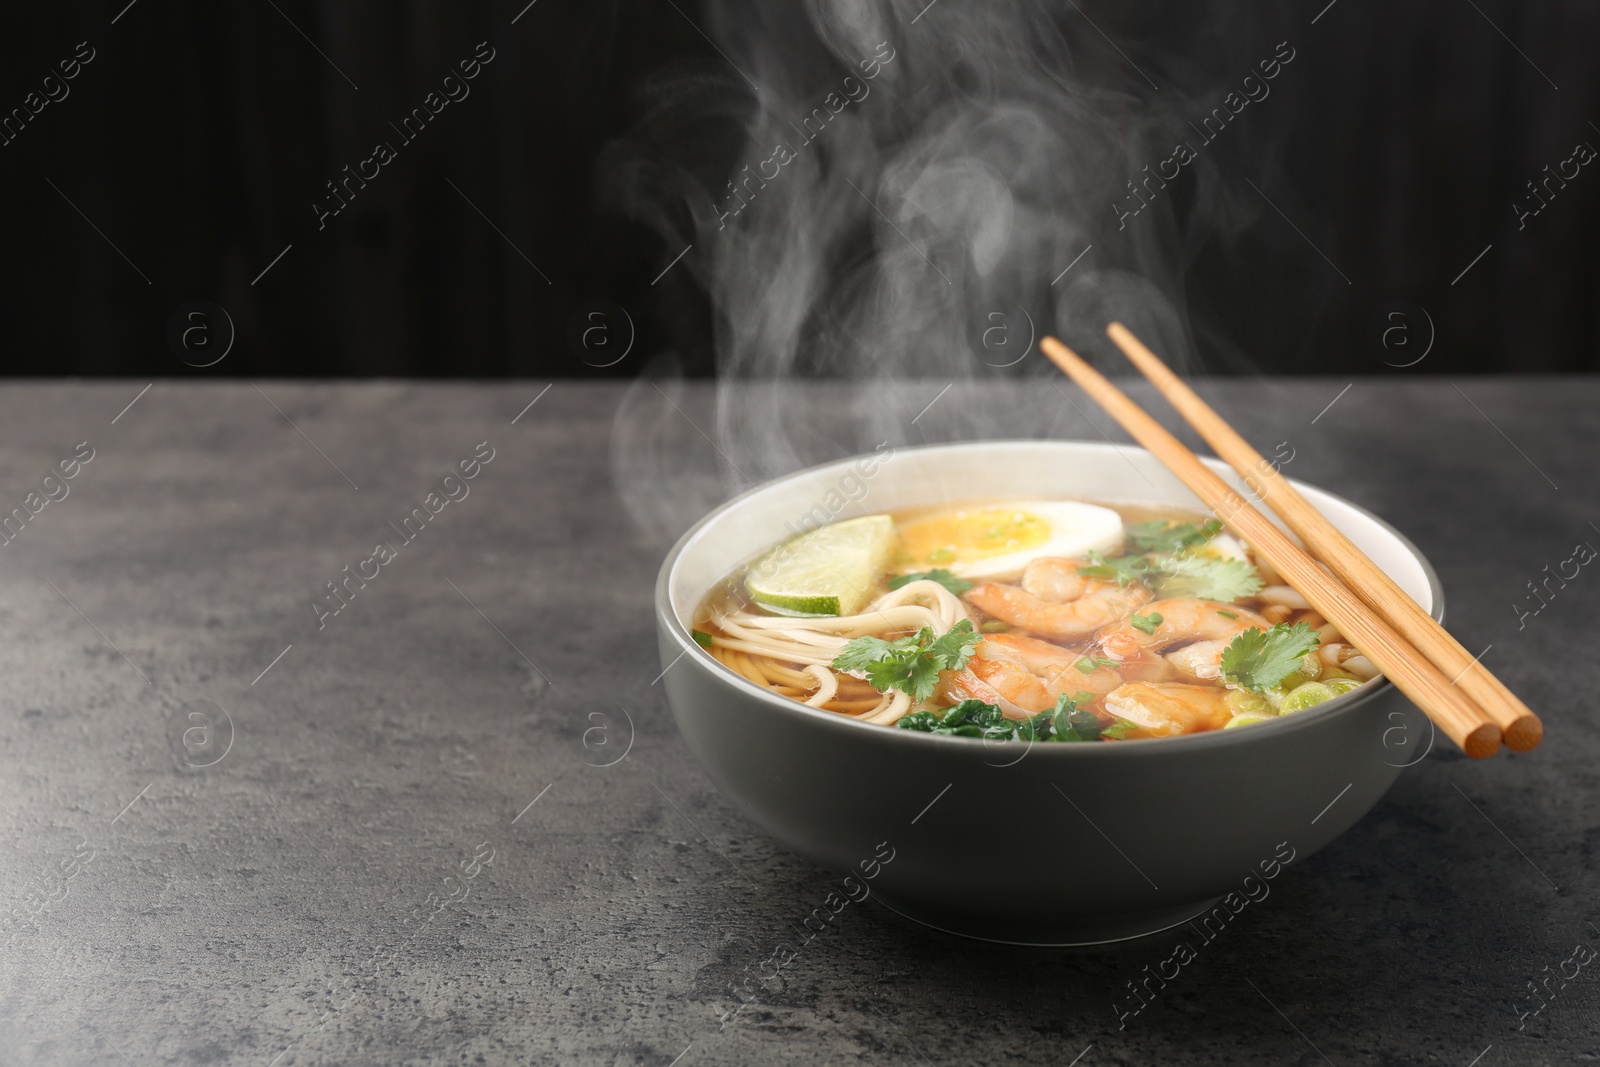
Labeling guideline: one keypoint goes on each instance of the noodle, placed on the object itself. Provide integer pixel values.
(897, 703)
(1284, 595)
(856, 707)
(748, 669)
(805, 679)
(767, 649)
(827, 686)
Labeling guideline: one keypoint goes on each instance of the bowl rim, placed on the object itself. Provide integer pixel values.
(667, 617)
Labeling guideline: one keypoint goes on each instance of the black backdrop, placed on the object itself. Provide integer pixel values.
(183, 161)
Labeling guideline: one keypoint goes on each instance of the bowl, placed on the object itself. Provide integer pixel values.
(1036, 844)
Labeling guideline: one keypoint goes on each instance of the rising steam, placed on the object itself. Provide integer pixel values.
(884, 192)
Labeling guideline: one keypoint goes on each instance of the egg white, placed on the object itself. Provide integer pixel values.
(1226, 546)
(1076, 529)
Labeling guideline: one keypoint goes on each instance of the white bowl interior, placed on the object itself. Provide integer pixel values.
(916, 477)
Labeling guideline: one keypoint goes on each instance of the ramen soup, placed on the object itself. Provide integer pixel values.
(1035, 620)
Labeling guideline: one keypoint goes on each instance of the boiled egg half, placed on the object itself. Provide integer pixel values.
(995, 542)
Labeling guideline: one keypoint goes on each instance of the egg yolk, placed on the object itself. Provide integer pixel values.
(965, 536)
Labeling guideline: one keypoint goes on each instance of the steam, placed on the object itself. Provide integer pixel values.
(894, 199)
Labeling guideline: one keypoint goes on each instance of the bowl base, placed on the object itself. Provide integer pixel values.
(1075, 934)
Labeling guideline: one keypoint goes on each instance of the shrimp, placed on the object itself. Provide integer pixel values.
(1197, 631)
(1201, 661)
(1020, 675)
(1023, 676)
(1164, 710)
(1058, 602)
(1183, 621)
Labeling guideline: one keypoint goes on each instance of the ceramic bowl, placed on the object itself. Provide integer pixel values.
(1032, 844)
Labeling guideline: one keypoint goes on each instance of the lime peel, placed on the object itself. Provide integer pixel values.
(831, 570)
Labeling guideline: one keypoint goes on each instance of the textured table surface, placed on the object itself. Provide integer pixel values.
(455, 823)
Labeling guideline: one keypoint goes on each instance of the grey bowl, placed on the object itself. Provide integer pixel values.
(1028, 844)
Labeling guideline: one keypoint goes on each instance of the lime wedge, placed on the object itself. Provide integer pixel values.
(831, 570)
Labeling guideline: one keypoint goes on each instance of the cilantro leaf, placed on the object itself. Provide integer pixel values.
(1146, 623)
(957, 643)
(1124, 569)
(863, 652)
(1206, 578)
(1176, 574)
(702, 638)
(1259, 659)
(1161, 535)
(912, 663)
(940, 575)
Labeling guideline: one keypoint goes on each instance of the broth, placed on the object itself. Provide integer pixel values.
(1042, 620)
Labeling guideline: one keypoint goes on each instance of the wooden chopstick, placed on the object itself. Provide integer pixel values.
(1521, 727)
(1411, 673)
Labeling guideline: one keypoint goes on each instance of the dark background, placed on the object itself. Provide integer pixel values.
(200, 135)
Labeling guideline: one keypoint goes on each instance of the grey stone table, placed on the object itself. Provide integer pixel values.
(453, 822)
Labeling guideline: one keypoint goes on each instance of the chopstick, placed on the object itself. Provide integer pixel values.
(1521, 727)
(1403, 665)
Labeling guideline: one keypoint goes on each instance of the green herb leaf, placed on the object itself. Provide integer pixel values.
(1206, 578)
(1089, 664)
(1084, 697)
(1125, 570)
(1179, 575)
(1061, 714)
(1259, 659)
(975, 712)
(1066, 722)
(1118, 730)
(702, 637)
(1072, 724)
(958, 643)
(1038, 728)
(1147, 623)
(1085, 727)
(1162, 535)
(912, 663)
(973, 718)
(940, 575)
(1228, 614)
(864, 652)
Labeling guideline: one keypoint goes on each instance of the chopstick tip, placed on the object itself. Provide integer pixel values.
(1058, 353)
(1524, 734)
(1482, 742)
